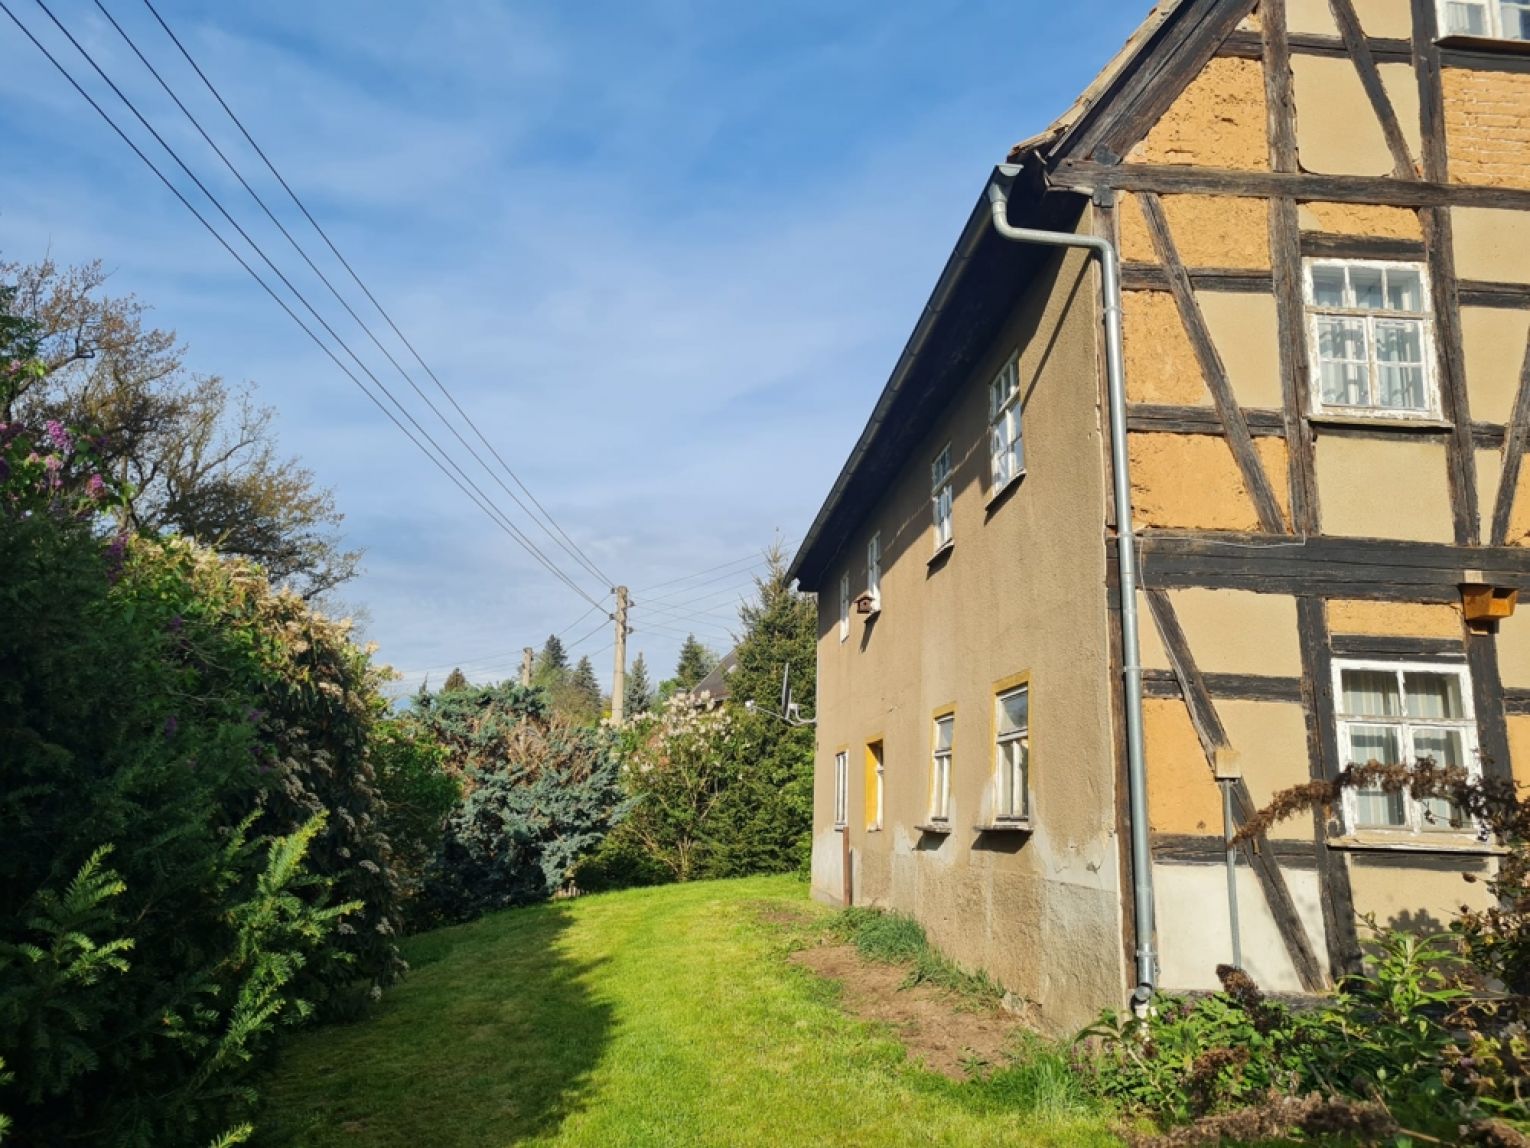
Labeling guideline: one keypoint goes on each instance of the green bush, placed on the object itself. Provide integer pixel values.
(541, 795)
(189, 851)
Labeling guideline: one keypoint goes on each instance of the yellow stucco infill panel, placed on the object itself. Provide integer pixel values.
(1420, 900)
(1492, 244)
(1489, 473)
(1518, 533)
(1188, 482)
(1311, 18)
(1153, 654)
(1487, 126)
(1514, 650)
(1337, 132)
(1394, 619)
(1217, 121)
(1161, 366)
(1182, 794)
(1360, 219)
(1208, 231)
(1388, 19)
(1270, 741)
(1239, 631)
(1382, 489)
(1494, 340)
(1401, 86)
(1245, 329)
(1519, 747)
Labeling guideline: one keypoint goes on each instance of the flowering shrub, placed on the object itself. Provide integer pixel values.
(190, 857)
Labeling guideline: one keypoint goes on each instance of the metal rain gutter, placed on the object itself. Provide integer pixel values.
(1136, 771)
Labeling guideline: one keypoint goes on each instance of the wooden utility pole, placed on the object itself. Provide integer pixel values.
(619, 678)
(528, 656)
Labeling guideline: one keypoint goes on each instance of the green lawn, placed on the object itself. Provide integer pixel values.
(650, 1017)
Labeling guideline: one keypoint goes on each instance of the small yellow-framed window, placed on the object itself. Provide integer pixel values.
(876, 799)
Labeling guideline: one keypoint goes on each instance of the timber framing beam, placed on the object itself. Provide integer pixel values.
(1378, 569)
(1213, 738)
(1358, 49)
(1255, 481)
(1381, 191)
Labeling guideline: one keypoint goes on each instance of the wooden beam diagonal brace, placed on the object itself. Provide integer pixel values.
(1255, 481)
(1516, 441)
(1213, 737)
(1359, 51)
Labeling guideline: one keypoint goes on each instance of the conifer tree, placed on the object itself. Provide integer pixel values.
(585, 689)
(638, 696)
(456, 680)
(696, 662)
(551, 669)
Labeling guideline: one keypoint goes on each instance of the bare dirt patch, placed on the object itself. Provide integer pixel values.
(928, 1021)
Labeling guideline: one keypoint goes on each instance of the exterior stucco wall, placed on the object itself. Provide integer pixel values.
(1021, 591)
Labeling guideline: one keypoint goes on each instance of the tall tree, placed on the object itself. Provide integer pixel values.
(584, 700)
(551, 667)
(765, 820)
(638, 696)
(456, 680)
(696, 662)
(199, 457)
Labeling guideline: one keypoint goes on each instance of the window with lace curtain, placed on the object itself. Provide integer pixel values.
(1398, 713)
(1488, 19)
(1371, 330)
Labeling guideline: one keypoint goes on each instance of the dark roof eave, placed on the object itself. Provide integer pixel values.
(813, 554)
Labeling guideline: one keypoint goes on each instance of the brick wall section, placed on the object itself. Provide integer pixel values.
(1487, 127)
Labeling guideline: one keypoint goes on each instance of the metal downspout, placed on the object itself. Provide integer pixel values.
(1136, 772)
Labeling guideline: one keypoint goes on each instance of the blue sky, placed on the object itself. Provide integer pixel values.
(665, 253)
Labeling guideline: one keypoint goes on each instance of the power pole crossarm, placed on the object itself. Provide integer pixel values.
(619, 677)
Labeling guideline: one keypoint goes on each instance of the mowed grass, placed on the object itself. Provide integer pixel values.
(665, 1016)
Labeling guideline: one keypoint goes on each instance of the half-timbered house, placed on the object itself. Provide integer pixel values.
(1321, 214)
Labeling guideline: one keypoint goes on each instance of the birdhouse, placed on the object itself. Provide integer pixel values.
(868, 603)
(1481, 602)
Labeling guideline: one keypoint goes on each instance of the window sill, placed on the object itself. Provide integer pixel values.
(1007, 825)
(1381, 422)
(941, 554)
(1468, 845)
(1485, 43)
(1002, 492)
(938, 828)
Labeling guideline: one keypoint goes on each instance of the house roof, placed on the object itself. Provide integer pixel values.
(715, 683)
(985, 274)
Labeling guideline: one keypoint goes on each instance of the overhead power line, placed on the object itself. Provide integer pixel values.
(567, 543)
(349, 310)
(465, 484)
(759, 558)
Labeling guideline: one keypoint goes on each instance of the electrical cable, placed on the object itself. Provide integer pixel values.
(349, 310)
(577, 551)
(482, 500)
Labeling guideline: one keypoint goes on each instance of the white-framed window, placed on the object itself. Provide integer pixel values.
(1490, 19)
(1398, 713)
(1371, 334)
(1012, 754)
(940, 497)
(841, 788)
(940, 768)
(874, 570)
(1006, 446)
(844, 606)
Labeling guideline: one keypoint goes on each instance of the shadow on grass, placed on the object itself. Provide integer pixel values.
(490, 1040)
